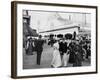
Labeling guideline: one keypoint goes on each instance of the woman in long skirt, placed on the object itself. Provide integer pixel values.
(29, 47)
(65, 59)
(56, 61)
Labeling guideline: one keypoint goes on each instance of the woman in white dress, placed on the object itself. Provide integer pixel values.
(56, 60)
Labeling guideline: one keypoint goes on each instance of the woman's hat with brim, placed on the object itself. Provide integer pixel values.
(60, 36)
(68, 36)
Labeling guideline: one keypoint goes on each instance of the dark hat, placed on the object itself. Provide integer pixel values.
(60, 35)
(68, 36)
(40, 36)
(51, 35)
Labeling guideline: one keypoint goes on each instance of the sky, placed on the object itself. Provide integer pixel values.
(43, 20)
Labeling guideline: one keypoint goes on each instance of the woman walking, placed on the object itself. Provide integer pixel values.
(56, 61)
(29, 46)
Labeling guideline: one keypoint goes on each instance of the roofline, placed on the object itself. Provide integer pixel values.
(59, 29)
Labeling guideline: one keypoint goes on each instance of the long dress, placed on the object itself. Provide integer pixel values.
(29, 49)
(56, 61)
(65, 59)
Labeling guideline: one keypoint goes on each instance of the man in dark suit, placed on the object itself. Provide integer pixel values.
(39, 49)
(62, 47)
(60, 37)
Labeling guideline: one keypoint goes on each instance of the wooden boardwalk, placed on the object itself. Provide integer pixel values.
(29, 61)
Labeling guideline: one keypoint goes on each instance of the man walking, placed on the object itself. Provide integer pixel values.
(39, 49)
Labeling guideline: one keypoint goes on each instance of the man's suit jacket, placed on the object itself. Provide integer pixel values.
(39, 45)
(62, 47)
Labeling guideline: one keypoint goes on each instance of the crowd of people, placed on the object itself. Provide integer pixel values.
(35, 45)
(66, 49)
